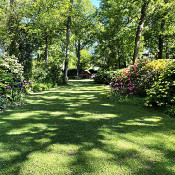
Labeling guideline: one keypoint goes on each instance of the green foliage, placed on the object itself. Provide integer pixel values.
(37, 87)
(47, 73)
(160, 23)
(162, 91)
(103, 77)
(85, 62)
(116, 32)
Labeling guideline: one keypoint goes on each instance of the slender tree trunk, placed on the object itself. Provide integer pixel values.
(67, 45)
(46, 49)
(78, 55)
(139, 29)
(160, 54)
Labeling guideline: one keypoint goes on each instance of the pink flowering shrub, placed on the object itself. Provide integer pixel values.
(133, 80)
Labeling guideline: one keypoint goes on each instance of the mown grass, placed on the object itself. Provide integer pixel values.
(76, 130)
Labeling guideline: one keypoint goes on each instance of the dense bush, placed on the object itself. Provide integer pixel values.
(103, 77)
(133, 80)
(162, 92)
(37, 87)
(12, 87)
(160, 64)
(47, 73)
(153, 80)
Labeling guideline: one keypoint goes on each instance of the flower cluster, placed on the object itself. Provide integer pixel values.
(20, 85)
(123, 83)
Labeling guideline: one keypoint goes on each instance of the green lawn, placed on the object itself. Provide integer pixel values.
(76, 130)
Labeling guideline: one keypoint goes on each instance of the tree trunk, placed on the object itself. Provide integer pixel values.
(78, 55)
(46, 49)
(139, 29)
(160, 54)
(67, 45)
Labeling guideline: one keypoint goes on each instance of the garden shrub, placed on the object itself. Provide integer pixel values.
(133, 80)
(162, 91)
(153, 80)
(103, 77)
(12, 87)
(160, 64)
(37, 87)
(47, 73)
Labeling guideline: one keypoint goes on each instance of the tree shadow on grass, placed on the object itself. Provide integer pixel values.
(80, 115)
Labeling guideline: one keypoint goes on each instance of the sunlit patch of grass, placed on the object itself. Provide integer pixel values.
(32, 128)
(106, 104)
(75, 129)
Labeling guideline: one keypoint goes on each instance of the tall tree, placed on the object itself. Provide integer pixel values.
(140, 28)
(83, 26)
(67, 43)
(45, 20)
(116, 37)
(160, 30)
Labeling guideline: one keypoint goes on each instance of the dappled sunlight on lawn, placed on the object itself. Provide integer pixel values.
(75, 129)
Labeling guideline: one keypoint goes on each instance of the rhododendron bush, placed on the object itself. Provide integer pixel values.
(154, 80)
(134, 79)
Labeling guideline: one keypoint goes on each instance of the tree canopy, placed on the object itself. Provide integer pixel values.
(112, 36)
